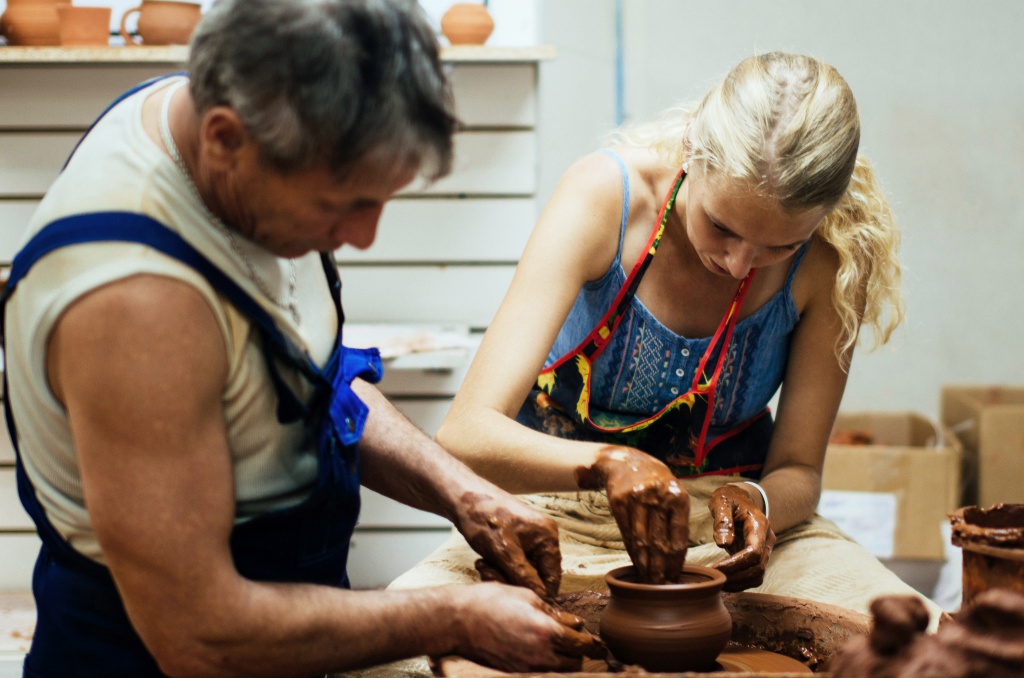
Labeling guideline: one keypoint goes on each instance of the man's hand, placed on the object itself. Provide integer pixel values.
(518, 544)
(650, 506)
(742, 530)
(513, 630)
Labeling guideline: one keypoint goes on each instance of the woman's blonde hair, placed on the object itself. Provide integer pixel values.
(787, 125)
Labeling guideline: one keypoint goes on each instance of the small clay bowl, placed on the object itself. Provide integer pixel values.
(666, 627)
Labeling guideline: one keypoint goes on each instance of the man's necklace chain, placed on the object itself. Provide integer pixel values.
(290, 305)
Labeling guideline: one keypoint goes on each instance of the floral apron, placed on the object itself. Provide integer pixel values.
(559, 403)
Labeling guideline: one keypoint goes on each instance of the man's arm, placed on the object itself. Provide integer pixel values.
(400, 461)
(140, 366)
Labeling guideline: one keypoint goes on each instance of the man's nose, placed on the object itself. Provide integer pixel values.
(360, 234)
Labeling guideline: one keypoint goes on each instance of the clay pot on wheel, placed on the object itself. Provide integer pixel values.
(667, 627)
(31, 22)
(467, 23)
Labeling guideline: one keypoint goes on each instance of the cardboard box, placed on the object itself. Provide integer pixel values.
(893, 494)
(989, 423)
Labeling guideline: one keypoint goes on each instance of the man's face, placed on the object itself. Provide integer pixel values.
(310, 210)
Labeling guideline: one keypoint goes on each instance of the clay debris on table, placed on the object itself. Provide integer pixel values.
(852, 437)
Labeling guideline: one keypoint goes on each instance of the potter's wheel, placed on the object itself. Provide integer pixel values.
(734, 659)
(739, 659)
(784, 628)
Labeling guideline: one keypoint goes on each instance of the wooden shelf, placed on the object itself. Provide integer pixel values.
(177, 54)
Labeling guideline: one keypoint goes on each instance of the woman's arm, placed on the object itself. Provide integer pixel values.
(812, 390)
(575, 240)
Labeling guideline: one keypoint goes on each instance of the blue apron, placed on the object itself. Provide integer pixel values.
(82, 628)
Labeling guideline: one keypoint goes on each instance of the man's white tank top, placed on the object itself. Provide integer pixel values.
(118, 167)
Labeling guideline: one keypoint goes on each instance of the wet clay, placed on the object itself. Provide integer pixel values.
(851, 437)
(516, 548)
(984, 640)
(992, 540)
(650, 507)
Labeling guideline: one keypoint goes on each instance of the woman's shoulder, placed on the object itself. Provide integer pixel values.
(817, 272)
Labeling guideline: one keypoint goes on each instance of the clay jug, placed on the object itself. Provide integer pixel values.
(80, 26)
(467, 23)
(31, 22)
(163, 22)
(666, 627)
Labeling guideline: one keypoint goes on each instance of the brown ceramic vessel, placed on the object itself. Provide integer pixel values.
(162, 22)
(31, 22)
(992, 543)
(467, 23)
(666, 627)
(84, 25)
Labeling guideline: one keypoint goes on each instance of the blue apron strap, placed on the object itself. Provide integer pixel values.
(138, 228)
(347, 411)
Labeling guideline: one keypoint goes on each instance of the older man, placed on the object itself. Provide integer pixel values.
(191, 431)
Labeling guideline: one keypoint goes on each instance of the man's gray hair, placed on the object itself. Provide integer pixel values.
(328, 81)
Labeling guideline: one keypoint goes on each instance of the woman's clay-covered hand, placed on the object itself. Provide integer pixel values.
(984, 640)
(512, 629)
(518, 545)
(743, 530)
(650, 506)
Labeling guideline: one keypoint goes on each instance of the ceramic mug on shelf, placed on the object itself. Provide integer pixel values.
(31, 22)
(84, 25)
(163, 22)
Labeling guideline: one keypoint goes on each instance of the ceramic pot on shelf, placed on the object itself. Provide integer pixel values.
(467, 23)
(84, 26)
(162, 22)
(31, 22)
(666, 627)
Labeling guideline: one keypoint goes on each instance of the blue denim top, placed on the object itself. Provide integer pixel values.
(646, 365)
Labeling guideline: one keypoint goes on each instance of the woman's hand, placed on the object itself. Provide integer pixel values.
(519, 545)
(650, 506)
(750, 545)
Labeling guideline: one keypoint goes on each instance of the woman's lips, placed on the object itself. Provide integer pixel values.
(718, 269)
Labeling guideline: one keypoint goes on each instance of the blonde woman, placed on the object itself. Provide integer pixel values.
(677, 280)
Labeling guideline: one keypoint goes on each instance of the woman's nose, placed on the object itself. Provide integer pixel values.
(740, 260)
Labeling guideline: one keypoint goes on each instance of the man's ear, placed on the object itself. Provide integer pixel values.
(222, 136)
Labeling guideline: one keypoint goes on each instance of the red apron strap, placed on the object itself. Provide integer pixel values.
(595, 342)
(710, 386)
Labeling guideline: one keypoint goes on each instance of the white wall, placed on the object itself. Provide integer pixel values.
(942, 105)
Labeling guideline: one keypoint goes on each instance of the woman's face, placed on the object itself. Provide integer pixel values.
(734, 230)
